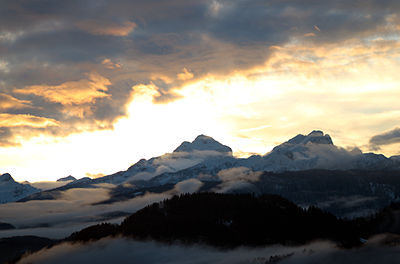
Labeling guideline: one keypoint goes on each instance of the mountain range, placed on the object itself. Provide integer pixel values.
(213, 165)
(207, 156)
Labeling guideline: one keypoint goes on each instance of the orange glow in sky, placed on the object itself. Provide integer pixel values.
(92, 95)
(247, 110)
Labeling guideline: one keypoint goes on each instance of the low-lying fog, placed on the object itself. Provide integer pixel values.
(119, 250)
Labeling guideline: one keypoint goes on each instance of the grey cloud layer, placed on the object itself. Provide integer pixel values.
(54, 42)
(387, 138)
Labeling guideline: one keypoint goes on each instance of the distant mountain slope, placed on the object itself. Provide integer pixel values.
(11, 190)
(68, 178)
(317, 151)
(348, 193)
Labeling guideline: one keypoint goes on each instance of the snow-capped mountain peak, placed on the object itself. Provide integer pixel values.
(317, 151)
(316, 137)
(203, 143)
(203, 150)
(11, 190)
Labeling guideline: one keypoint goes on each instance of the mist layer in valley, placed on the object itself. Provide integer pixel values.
(119, 250)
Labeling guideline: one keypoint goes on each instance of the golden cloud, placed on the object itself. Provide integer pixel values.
(73, 92)
(152, 91)
(313, 61)
(162, 77)
(185, 75)
(94, 175)
(9, 102)
(109, 64)
(78, 110)
(10, 120)
(311, 34)
(100, 28)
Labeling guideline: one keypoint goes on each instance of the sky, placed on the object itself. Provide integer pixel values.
(88, 87)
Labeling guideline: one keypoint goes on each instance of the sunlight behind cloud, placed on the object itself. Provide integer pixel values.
(298, 89)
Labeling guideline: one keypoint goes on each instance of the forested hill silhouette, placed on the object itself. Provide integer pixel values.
(228, 220)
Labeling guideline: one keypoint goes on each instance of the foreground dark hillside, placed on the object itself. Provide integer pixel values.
(228, 220)
(233, 220)
(11, 249)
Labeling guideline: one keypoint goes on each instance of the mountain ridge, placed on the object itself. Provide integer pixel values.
(204, 158)
(11, 191)
(68, 178)
(202, 143)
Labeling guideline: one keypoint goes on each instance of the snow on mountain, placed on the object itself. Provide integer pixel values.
(11, 190)
(204, 157)
(315, 136)
(303, 152)
(203, 150)
(203, 143)
(372, 161)
(315, 151)
(205, 171)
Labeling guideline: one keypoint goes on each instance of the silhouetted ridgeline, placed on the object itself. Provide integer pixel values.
(11, 249)
(228, 220)
(6, 226)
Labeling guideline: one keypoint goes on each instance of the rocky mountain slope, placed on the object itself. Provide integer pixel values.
(11, 190)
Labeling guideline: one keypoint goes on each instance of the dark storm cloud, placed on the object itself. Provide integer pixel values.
(387, 138)
(53, 43)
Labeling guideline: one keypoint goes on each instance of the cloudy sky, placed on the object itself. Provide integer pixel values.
(87, 87)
